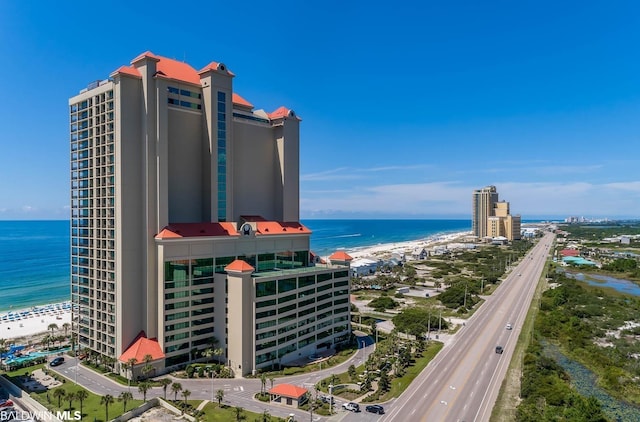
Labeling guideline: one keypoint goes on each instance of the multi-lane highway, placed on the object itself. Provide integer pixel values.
(462, 382)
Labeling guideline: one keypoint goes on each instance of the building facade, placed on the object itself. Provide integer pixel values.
(176, 182)
(483, 202)
(491, 217)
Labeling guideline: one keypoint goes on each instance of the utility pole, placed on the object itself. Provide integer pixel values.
(429, 328)
(465, 296)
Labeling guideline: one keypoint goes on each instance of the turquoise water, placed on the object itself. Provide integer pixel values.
(35, 257)
(34, 263)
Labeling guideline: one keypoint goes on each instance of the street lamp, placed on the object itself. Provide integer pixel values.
(210, 369)
(330, 399)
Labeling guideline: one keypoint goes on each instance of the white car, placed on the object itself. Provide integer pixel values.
(354, 407)
(509, 326)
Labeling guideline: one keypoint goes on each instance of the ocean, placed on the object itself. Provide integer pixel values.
(34, 255)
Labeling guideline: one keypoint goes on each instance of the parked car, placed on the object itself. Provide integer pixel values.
(375, 408)
(354, 407)
(57, 361)
(499, 350)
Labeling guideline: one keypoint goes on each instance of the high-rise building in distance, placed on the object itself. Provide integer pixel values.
(185, 225)
(491, 217)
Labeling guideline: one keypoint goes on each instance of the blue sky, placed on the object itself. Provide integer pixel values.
(406, 106)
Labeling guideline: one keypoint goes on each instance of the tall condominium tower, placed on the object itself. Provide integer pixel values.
(185, 225)
(484, 201)
(491, 218)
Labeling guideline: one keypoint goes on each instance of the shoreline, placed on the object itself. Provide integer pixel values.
(384, 250)
(33, 321)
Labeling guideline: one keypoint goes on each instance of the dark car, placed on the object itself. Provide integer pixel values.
(374, 408)
(499, 350)
(57, 361)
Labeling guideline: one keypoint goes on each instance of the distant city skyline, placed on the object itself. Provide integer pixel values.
(405, 108)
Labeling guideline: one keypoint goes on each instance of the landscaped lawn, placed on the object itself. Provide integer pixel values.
(92, 409)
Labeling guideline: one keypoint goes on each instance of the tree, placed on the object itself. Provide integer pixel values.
(107, 401)
(176, 387)
(271, 380)
(165, 382)
(384, 382)
(47, 340)
(131, 363)
(147, 359)
(66, 327)
(265, 416)
(143, 387)
(125, 397)
(186, 394)
(81, 395)
(53, 326)
(220, 397)
(263, 382)
(239, 411)
(59, 394)
(383, 303)
(71, 396)
(352, 372)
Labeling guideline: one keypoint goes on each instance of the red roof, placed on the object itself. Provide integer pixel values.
(141, 347)
(263, 228)
(239, 266)
(178, 230)
(277, 227)
(570, 252)
(340, 256)
(181, 71)
(279, 113)
(127, 70)
(288, 390)
(240, 101)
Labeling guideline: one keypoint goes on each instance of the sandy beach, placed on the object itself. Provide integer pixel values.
(34, 321)
(386, 250)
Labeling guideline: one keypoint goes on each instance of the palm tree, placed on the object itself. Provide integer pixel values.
(124, 397)
(59, 394)
(81, 395)
(165, 382)
(106, 400)
(263, 382)
(147, 369)
(176, 387)
(53, 326)
(265, 417)
(271, 380)
(66, 327)
(46, 340)
(143, 387)
(131, 362)
(186, 394)
(219, 397)
(239, 413)
(71, 396)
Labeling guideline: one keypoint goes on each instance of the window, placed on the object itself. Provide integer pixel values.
(286, 285)
(266, 288)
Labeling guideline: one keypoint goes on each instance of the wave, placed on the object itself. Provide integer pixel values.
(341, 235)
